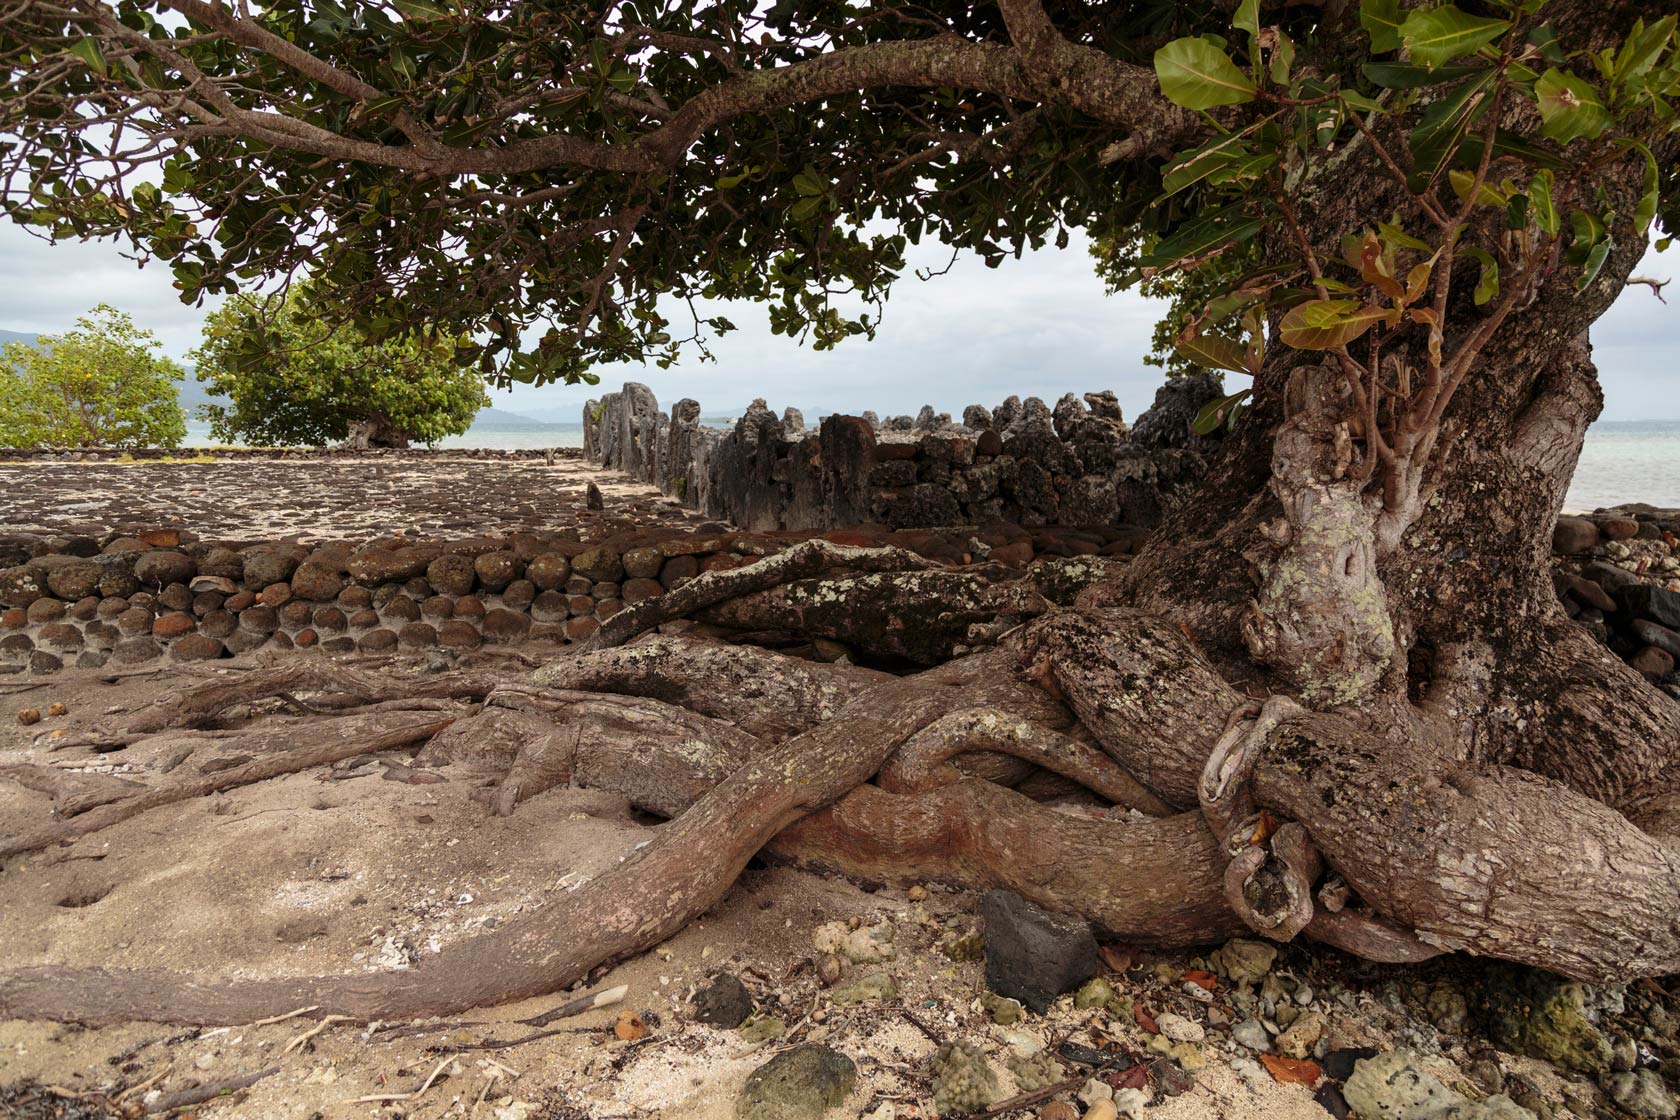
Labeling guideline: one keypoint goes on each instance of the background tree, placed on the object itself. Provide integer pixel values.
(293, 377)
(99, 385)
(1338, 675)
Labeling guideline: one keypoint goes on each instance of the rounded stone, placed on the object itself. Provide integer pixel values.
(469, 606)
(354, 598)
(638, 589)
(579, 585)
(177, 597)
(317, 582)
(92, 659)
(599, 564)
(299, 613)
(43, 662)
(451, 574)
(223, 562)
(581, 606)
(244, 641)
(132, 651)
(173, 625)
(498, 569)
(164, 566)
(365, 619)
(678, 570)
(305, 638)
(20, 586)
(197, 647)
(606, 608)
(85, 608)
(605, 590)
(135, 621)
(548, 571)
(577, 629)
(206, 601)
(101, 634)
(221, 585)
(59, 636)
(112, 607)
(437, 607)
(46, 610)
(519, 594)
(503, 625)
(643, 563)
(377, 641)
(239, 602)
(417, 635)
(549, 606)
(372, 566)
(344, 643)
(417, 588)
(16, 643)
(402, 609)
(14, 618)
(459, 634)
(259, 619)
(330, 620)
(275, 595)
(76, 579)
(117, 581)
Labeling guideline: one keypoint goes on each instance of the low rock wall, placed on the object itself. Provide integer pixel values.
(139, 594)
(155, 454)
(1076, 466)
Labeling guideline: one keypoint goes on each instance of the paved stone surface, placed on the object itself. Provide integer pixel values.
(323, 499)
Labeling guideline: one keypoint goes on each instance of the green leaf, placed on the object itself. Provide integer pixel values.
(1392, 232)
(420, 9)
(1643, 46)
(1540, 203)
(1488, 285)
(1646, 209)
(1325, 324)
(1283, 58)
(1198, 75)
(1401, 75)
(1214, 412)
(1381, 19)
(1488, 195)
(1570, 107)
(1436, 36)
(1595, 261)
(1441, 129)
(1221, 228)
(1214, 352)
(1193, 167)
(87, 49)
(1247, 17)
(1356, 100)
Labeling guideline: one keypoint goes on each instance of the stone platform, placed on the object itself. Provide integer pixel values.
(322, 496)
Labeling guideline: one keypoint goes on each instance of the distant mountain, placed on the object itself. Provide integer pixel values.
(17, 336)
(500, 420)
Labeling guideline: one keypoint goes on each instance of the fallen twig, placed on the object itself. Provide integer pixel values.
(415, 1095)
(325, 1022)
(209, 1091)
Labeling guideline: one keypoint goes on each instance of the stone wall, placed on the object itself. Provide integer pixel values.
(136, 594)
(1076, 466)
(155, 454)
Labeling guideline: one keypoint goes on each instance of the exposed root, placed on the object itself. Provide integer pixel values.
(764, 693)
(189, 707)
(72, 793)
(802, 561)
(1153, 882)
(924, 762)
(651, 895)
(1269, 881)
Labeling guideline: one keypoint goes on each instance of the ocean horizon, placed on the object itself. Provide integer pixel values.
(1622, 461)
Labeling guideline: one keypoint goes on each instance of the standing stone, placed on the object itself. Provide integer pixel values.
(1033, 955)
(592, 498)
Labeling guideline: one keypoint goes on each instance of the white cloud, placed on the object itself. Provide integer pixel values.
(1041, 326)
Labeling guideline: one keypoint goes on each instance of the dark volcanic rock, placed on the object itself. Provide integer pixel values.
(724, 1002)
(1033, 955)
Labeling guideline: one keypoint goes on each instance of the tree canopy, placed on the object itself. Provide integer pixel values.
(291, 377)
(583, 165)
(99, 385)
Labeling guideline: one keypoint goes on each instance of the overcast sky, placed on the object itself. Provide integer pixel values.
(1040, 326)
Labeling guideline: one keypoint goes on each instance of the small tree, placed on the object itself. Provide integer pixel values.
(290, 378)
(100, 385)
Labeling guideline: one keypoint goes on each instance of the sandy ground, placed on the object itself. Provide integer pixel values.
(317, 499)
(321, 873)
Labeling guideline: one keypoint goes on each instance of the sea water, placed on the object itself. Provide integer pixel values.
(1623, 461)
